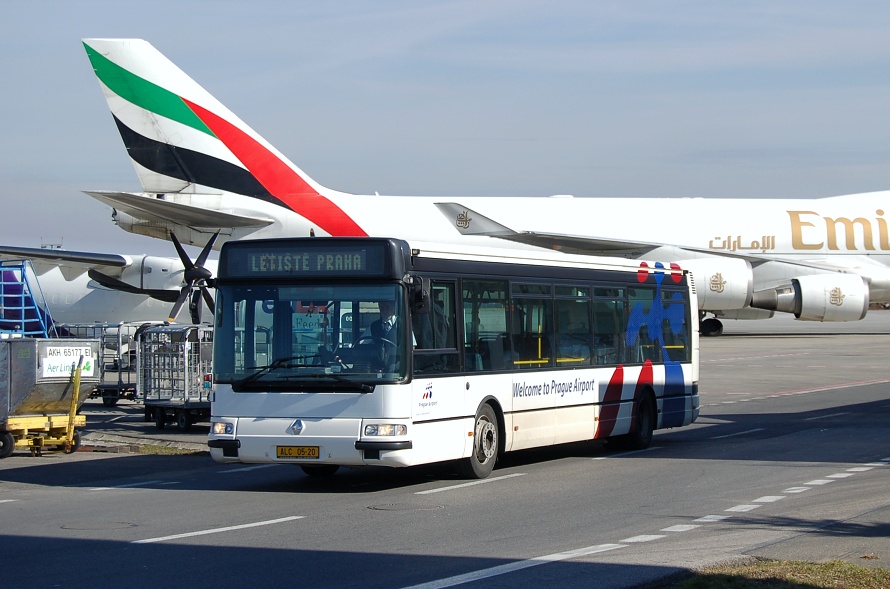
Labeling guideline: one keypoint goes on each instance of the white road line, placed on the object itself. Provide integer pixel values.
(769, 499)
(218, 530)
(796, 489)
(743, 508)
(826, 416)
(514, 566)
(631, 453)
(462, 485)
(712, 518)
(750, 431)
(819, 482)
(127, 486)
(875, 464)
(247, 468)
(680, 528)
(860, 469)
(643, 538)
(839, 475)
(7, 500)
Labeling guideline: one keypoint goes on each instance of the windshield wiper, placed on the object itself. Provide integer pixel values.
(365, 388)
(274, 365)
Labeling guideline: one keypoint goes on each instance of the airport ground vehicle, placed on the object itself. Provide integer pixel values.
(43, 382)
(117, 356)
(173, 367)
(492, 351)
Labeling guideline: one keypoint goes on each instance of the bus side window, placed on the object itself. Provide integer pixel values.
(608, 339)
(485, 325)
(641, 346)
(532, 327)
(435, 350)
(675, 327)
(573, 332)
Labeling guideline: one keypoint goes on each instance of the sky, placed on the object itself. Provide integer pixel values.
(772, 99)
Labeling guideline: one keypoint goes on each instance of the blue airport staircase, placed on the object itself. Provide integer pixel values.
(23, 309)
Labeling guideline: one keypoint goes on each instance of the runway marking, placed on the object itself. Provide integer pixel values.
(247, 468)
(712, 518)
(623, 454)
(462, 485)
(750, 431)
(749, 358)
(218, 530)
(743, 508)
(789, 392)
(514, 566)
(826, 416)
(128, 485)
(643, 538)
(680, 528)
(769, 499)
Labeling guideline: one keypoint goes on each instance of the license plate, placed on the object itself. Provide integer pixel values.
(297, 451)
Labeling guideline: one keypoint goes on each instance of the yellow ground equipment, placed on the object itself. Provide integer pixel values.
(43, 383)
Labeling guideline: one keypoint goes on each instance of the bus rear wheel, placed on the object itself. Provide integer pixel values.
(486, 443)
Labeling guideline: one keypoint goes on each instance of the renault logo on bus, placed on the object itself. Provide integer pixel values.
(296, 427)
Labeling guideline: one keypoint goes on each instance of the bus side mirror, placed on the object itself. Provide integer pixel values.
(421, 294)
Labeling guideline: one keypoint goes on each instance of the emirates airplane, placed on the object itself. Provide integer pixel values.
(203, 171)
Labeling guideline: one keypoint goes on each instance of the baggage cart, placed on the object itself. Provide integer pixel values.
(43, 383)
(173, 363)
(117, 356)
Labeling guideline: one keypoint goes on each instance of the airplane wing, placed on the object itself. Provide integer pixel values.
(105, 269)
(85, 260)
(469, 222)
(150, 208)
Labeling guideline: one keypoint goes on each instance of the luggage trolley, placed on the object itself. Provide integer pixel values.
(43, 383)
(172, 362)
(117, 356)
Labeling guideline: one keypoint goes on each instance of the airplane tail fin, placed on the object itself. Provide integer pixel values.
(182, 140)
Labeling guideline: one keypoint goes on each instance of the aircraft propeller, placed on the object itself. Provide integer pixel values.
(195, 278)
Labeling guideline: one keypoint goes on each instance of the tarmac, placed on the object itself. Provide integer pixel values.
(862, 540)
(123, 429)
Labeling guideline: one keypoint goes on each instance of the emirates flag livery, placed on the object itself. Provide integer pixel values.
(203, 171)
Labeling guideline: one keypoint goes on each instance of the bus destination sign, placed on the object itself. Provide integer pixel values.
(268, 260)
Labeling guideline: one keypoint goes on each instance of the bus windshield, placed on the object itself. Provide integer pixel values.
(310, 337)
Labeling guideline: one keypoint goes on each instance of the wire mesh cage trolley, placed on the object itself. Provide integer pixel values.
(173, 364)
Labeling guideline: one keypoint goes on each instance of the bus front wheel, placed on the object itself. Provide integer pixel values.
(486, 442)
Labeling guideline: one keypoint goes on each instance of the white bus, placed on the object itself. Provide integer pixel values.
(492, 351)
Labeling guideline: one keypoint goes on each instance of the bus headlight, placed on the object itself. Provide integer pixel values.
(386, 429)
(223, 428)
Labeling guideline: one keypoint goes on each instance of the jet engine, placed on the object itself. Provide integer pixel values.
(722, 284)
(821, 297)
